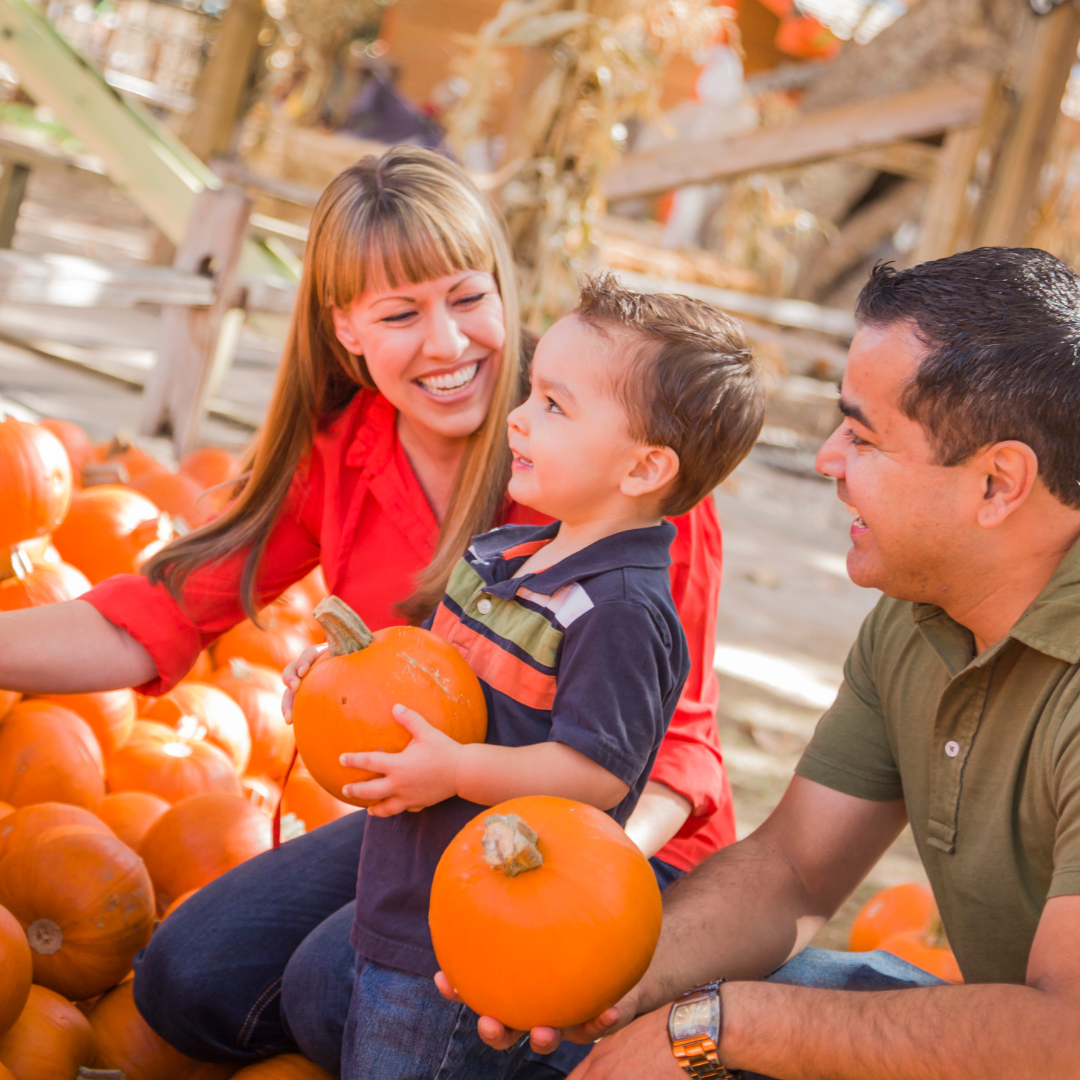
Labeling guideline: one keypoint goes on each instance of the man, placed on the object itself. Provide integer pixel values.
(959, 456)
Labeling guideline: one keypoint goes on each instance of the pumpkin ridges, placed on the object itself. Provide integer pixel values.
(258, 691)
(169, 766)
(309, 802)
(32, 820)
(35, 481)
(278, 642)
(130, 814)
(176, 495)
(42, 584)
(16, 969)
(50, 1040)
(202, 711)
(76, 443)
(110, 714)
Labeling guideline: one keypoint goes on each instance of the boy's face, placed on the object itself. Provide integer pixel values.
(574, 458)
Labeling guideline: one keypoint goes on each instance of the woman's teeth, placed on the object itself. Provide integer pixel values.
(451, 382)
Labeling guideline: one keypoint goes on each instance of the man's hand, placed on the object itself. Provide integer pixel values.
(641, 1051)
(422, 774)
(294, 672)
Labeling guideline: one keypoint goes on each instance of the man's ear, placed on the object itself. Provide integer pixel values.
(656, 467)
(344, 331)
(1008, 471)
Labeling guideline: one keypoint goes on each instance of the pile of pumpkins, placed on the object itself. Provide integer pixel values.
(115, 807)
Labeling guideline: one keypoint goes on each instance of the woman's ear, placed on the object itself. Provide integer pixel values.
(655, 468)
(345, 332)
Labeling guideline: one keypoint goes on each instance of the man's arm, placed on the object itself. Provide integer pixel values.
(993, 1032)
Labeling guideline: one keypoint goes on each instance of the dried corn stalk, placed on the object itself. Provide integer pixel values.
(605, 60)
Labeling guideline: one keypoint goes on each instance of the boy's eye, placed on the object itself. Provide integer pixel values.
(552, 406)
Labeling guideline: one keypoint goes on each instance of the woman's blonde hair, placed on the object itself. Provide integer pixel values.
(405, 217)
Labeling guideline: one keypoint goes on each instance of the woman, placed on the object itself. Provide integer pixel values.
(383, 451)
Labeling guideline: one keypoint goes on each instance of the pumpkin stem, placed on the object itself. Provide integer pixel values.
(935, 933)
(100, 1074)
(509, 845)
(344, 629)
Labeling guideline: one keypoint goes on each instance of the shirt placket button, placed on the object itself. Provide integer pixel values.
(952, 748)
(484, 606)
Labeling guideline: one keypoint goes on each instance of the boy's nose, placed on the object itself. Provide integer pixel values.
(516, 420)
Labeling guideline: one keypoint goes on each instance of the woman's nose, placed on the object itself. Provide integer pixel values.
(443, 338)
(830, 458)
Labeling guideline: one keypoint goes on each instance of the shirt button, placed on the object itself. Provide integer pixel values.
(484, 606)
(952, 748)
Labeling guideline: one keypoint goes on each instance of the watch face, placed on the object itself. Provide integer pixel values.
(696, 1018)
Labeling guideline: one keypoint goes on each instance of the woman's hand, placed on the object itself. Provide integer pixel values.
(294, 672)
(425, 772)
(545, 1039)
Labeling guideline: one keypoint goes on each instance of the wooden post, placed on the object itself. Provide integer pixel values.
(944, 209)
(12, 190)
(1043, 70)
(176, 392)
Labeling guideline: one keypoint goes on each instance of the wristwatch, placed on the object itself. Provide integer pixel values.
(694, 1028)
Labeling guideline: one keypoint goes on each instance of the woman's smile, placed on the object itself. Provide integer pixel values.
(449, 382)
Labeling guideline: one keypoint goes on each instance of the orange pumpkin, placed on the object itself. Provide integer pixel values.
(157, 760)
(276, 643)
(35, 481)
(126, 1042)
(543, 912)
(130, 814)
(49, 754)
(7, 699)
(86, 904)
(262, 792)
(284, 1067)
(258, 690)
(111, 530)
(16, 969)
(38, 818)
(41, 584)
(199, 839)
(181, 899)
(927, 948)
(76, 443)
(51, 1040)
(344, 701)
(110, 714)
(200, 711)
(309, 802)
(209, 466)
(891, 911)
(176, 495)
(203, 668)
(123, 452)
(5, 809)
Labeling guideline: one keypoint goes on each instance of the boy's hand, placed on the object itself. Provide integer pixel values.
(294, 672)
(545, 1039)
(425, 772)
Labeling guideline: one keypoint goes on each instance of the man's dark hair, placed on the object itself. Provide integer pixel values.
(1003, 329)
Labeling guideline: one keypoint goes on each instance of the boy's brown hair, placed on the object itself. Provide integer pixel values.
(693, 384)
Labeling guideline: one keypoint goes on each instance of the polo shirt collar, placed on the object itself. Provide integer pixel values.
(649, 548)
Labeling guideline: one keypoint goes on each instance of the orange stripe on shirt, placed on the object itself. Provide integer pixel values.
(501, 670)
(525, 549)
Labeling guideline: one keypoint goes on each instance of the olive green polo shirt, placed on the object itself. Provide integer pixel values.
(985, 752)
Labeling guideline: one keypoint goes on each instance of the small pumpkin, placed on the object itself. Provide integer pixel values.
(41, 584)
(199, 839)
(284, 1067)
(111, 530)
(110, 714)
(16, 969)
(76, 443)
(38, 818)
(35, 481)
(543, 912)
(130, 814)
(275, 643)
(344, 702)
(926, 948)
(258, 691)
(157, 760)
(201, 711)
(891, 911)
(86, 904)
(176, 495)
(7, 699)
(122, 451)
(209, 466)
(309, 803)
(51, 1040)
(49, 754)
(125, 1041)
(203, 668)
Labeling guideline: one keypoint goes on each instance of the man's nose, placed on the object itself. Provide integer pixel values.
(830, 458)
(443, 338)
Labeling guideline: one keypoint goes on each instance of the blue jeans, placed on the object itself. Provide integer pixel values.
(258, 962)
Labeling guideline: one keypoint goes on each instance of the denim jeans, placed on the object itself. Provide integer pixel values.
(258, 962)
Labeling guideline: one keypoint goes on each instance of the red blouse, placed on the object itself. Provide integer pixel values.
(356, 507)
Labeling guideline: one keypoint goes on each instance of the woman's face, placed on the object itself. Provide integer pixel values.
(433, 350)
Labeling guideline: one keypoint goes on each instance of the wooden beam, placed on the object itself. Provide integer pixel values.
(826, 134)
(945, 206)
(12, 190)
(915, 160)
(1043, 70)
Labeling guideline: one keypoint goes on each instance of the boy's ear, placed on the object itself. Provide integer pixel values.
(344, 332)
(656, 467)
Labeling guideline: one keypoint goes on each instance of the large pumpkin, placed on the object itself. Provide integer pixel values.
(176, 495)
(130, 814)
(110, 714)
(344, 702)
(86, 904)
(41, 584)
(199, 839)
(16, 969)
(76, 443)
(125, 1041)
(284, 1067)
(277, 642)
(926, 948)
(37, 818)
(122, 452)
(543, 912)
(51, 1040)
(111, 530)
(258, 691)
(310, 804)
(49, 754)
(35, 481)
(200, 711)
(891, 911)
(168, 765)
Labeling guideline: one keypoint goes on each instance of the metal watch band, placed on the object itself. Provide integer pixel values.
(698, 1059)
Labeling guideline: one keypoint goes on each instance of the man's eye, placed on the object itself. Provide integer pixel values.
(854, 439)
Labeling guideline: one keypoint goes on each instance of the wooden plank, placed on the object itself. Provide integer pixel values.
(12, 190)
(915, 160)
(306, 195)
(825, 134)
(944, 208)
(782, 312)
(176, 392)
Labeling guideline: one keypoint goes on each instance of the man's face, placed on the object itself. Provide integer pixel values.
(914, 526)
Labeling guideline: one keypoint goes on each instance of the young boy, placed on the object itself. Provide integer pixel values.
(639, 407)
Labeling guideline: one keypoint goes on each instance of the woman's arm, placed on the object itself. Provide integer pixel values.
(658, 816)
(433, 767)
(68, 648)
